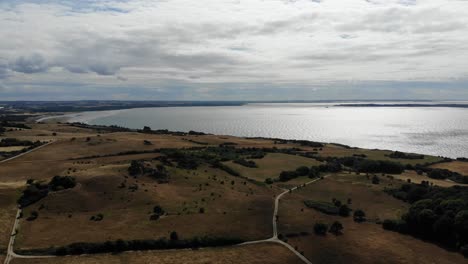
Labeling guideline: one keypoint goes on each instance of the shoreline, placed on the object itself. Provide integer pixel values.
(357, 140)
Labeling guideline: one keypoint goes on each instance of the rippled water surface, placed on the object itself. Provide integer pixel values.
(428, 130)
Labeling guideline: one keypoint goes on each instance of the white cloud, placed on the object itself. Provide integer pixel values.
(277, 42)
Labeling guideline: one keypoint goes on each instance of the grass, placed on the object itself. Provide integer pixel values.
(246, 207)
(11, 149)
(272, 165)
(415, 178)
(331, 150)
(456, 166)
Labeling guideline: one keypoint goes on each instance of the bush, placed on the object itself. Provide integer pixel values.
(336, 228)
(375, 179)
(150, 244)
(359, 216)
(344, 210)
(158, 210)
(320, 229)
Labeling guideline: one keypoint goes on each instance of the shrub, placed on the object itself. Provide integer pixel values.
(324, 207)
(174, 235)
(320, 229)
(359, 216)
(375, 179)
(344, 210)
(336, 228)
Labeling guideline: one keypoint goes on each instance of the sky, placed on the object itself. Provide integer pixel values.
(234, 49)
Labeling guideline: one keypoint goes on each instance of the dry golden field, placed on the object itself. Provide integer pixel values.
(360, 242)
(272, 165)
(204, 201)
(456, 166)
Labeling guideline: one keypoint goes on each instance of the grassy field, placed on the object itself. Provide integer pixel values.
(331, 150)
(202, 201)
(245, 206)
(272, 165)
(253, 254)
(11, 149)
(415, 178)
(456, 166)
(360, 242)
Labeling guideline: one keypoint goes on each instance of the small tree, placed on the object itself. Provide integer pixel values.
(174, 235)
(336, 228)
(158, 210)
(375, 179)
(359, 216)
(320, 229)
(344, 210)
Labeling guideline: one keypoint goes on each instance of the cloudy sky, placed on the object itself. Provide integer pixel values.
(233, 49)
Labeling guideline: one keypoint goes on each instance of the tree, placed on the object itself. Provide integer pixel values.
(302, 171)
(359, 216)
(320, 229)
(336, 228)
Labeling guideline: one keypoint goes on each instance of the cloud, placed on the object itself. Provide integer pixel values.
(3, 70)
(145, 44)
(29, 64)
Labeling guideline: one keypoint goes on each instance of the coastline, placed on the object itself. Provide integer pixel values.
(78, 117)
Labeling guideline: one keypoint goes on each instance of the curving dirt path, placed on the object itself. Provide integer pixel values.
(274, 238)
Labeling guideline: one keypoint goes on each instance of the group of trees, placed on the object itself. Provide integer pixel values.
(300, 171)
(335, 228)
(246, 163)
(446, 174)
(311, 172)
(437, 214)
(122, 245)
(138, 168)
(8, 142)
(402, 155)
(35, 191)
(333, 208)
